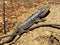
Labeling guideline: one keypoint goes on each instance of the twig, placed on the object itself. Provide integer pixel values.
(57, 26)
(4, 16)
(46, 25)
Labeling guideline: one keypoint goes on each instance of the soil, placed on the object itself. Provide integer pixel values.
(16, 14)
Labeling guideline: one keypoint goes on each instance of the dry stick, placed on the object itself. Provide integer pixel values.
(46, 25)
(41, 25)
(4, 16)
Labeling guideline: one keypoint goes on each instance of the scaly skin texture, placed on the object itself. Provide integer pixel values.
(41, 13)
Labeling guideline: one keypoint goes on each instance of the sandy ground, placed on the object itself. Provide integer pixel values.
(39, 36)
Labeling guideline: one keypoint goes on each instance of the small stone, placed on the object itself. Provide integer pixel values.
(13, 16)
(5, 1)
(47, 33)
